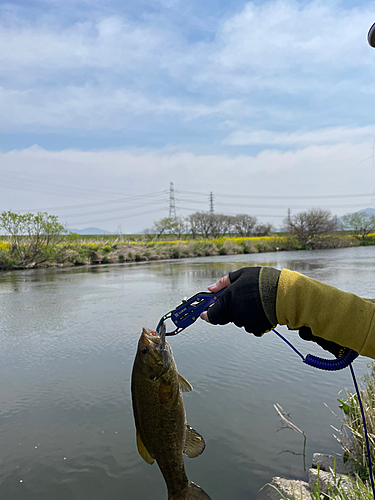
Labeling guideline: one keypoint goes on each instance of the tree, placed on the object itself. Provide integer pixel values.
(244, 224)
(161, 226)
(179, 227)
(263, 229)
(148, 234)
(33, 237)
(171, 225)
(307, 226)
(193, 220)
(361, 223)
(202, 222)
(208, 224)
(220, 224)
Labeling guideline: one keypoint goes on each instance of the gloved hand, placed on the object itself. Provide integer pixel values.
(242, 303)
(249, 301)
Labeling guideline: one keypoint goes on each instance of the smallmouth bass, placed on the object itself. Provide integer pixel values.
(162, 432)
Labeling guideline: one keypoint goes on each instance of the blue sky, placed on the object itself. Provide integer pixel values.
(267, 104)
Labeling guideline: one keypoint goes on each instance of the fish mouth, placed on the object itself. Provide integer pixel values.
(149, 335)
(158, 360)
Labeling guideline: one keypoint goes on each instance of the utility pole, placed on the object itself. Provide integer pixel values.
(211, 203)
(172, 204)
(288, 215)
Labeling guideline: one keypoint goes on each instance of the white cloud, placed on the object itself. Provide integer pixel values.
(284, 34)
(302, 68)
(323, 136)
(264, 46)
(91, 108)
(111, 42)
(73, 177)
(284, 46)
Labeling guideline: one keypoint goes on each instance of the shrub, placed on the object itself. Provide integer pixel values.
(34, 238)
(352, 436)
(121, 257)
(176, 253)
(6, 262)
(93, 256)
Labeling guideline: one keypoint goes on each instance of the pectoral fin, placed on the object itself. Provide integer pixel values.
(194, 444)
(143, 452)
(185, 386)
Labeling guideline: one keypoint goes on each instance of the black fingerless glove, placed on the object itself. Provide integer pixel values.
(337, 350)
(250, 300)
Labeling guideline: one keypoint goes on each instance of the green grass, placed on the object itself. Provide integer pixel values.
(351, 437)
(86, 249)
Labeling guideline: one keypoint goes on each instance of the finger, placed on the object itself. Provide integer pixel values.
(222, 283)
(204, 316)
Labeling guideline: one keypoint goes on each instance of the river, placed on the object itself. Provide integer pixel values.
(68, 339)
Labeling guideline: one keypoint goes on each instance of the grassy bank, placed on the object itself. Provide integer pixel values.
(351, 436)
(75, 250)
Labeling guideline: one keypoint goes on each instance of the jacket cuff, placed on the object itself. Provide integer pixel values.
(268, 282)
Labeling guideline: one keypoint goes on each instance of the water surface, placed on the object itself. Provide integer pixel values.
(68, 339)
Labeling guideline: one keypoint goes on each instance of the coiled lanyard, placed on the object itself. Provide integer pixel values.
(333, 365)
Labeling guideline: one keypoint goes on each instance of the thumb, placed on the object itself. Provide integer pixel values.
(222, 283)
(216, 287)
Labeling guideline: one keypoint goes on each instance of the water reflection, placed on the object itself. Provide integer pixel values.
(68, 340)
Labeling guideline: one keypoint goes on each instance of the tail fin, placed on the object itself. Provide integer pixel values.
(195, 492)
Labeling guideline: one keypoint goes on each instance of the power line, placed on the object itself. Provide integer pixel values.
(255, 215)
(250, 205)
(97, 203)
(22, 183)
(118, 218)
(116, 210)
(282, 197)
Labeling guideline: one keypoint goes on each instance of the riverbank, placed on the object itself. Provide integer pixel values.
(326, 475)
(344, 477)
(76, 252)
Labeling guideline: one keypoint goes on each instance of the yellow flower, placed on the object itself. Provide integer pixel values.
(5, 246)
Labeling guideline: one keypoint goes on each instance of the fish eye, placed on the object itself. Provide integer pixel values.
(144, 350)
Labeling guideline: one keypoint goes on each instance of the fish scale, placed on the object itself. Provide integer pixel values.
(160, 418)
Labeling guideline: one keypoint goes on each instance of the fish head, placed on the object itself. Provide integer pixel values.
(154, 354)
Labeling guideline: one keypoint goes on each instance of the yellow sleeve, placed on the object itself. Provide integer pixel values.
(332, 314)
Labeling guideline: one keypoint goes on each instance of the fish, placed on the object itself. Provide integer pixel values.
(162, 433)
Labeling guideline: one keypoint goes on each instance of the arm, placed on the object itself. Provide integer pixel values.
(259, 298)
(337, 316)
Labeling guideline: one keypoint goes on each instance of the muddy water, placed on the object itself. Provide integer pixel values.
(68, 339)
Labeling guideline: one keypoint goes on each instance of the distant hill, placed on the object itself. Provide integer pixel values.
(369, 211)
(90, 230)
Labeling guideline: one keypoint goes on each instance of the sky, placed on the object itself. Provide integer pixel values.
(268, 105)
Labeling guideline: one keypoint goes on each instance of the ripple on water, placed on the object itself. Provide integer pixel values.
(68, 342)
